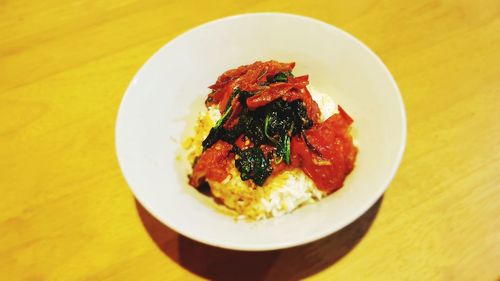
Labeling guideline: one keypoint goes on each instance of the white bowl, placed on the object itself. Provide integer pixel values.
(152, 121)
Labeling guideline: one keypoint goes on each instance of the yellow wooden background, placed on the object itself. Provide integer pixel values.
(66, 212)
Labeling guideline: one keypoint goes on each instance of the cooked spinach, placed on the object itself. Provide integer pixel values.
(284, 120)
(235, 92)
(253, 164)
(250, 124)
(301, 118)
(279, 77)
(243, 96)
(215, 133)
(218, 130)
(266, 129)
(273, 124)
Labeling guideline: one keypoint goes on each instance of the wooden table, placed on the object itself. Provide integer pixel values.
(66, 212)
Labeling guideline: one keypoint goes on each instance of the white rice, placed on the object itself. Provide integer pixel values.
(296, 191)
(325, 103)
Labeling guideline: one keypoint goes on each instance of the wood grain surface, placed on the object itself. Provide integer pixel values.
(66, 212)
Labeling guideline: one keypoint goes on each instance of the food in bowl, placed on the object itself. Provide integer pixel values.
(266, 145)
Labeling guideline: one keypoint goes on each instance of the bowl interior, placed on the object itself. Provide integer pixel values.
(170, 88)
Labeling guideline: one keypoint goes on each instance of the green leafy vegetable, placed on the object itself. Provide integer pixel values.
(235, 92)
(253, 165)
(216, 131)
(243, 96)
(224, 117)
(266, 128)
(301, 119)
(273, 124)
(279, 77)
(245, 122)
(287, 149)
(283, 145)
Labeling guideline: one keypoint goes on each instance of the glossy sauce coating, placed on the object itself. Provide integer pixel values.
(325, 152)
